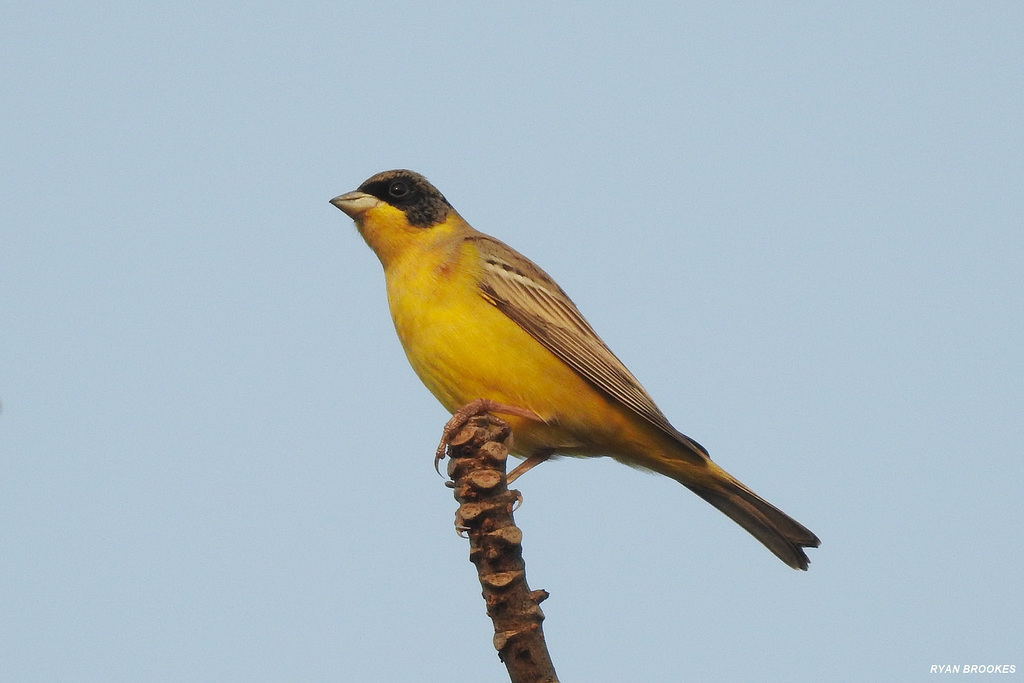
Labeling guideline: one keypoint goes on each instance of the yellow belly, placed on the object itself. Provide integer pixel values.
(463, 348)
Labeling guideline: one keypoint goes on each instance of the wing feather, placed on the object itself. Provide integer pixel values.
(528, 296)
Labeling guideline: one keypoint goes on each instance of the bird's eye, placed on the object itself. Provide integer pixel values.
(398, 189)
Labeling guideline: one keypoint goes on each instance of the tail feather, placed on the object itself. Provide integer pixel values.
(779, 532)
(692, 468)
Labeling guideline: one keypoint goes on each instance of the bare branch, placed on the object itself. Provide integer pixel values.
(477, 469)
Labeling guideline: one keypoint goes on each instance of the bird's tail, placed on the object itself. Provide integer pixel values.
(779, 532)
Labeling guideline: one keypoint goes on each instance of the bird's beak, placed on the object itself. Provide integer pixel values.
(355, 204)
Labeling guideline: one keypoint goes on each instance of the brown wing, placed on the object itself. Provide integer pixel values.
(525, 293)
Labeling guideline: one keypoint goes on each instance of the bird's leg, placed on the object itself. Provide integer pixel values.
(472, 409)
(528, 464)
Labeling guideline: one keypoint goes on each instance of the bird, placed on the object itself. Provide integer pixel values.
(484, 328)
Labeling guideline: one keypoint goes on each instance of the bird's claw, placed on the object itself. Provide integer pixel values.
(461, 416)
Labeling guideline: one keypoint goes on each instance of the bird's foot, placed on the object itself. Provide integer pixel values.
(528, 464)
(472, 409)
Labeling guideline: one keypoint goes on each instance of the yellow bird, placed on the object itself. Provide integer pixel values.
(478, 320)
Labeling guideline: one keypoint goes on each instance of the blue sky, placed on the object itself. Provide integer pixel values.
(801, 227)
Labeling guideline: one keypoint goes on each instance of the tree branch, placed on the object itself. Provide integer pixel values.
(477, 469)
